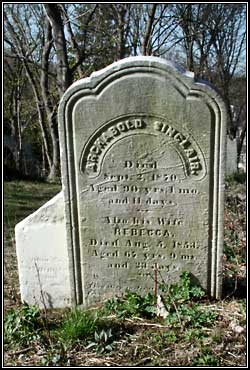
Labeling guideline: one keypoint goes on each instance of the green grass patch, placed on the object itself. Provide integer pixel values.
(21, 198)
(206, 358)
(87, 328)
(22, 326)
(78, 325)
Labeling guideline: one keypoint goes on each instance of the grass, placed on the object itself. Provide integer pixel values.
(126, 331)
(22, 326)
(78, 325)
(21, 198)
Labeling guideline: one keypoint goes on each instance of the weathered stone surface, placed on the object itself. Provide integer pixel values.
(143, 156)
(43, 262)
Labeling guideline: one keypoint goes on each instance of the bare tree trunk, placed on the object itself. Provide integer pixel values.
(64, 72)
(146, 50)
(15, 112)
(189, 38)
(40, 106)
(136, 33)
(50, 110)
(43, 131)
(121, 32)
(64, 75)
(19, 131)
(55, 167)
(43, 171)
(78, 51)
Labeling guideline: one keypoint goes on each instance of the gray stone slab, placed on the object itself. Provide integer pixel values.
(143, 156)
(42, 256)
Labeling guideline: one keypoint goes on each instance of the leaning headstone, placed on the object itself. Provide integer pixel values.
(42, 256)
(143, 155)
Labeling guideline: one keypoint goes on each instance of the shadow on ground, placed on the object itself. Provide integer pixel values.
(234, 287)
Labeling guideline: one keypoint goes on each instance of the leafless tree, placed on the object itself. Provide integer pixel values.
(18, 38)
(213, 37)
(14, 78)
(58, 43)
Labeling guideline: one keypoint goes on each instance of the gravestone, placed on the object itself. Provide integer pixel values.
(143, 154)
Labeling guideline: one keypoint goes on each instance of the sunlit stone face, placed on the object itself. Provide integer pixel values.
(142, 167)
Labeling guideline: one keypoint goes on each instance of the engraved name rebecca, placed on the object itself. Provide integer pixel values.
(104, 138)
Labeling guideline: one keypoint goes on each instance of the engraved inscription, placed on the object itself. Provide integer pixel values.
(147, 209)
(111, 133)
(194, 161)
(108, 136)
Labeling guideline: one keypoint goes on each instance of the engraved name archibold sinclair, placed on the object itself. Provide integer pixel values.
(110, 133)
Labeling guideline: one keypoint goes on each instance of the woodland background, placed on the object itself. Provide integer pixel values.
(49, 46)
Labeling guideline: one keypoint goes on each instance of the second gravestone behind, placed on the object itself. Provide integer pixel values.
(142, 163)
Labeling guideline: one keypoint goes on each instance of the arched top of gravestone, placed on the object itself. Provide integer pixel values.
(182, 80)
